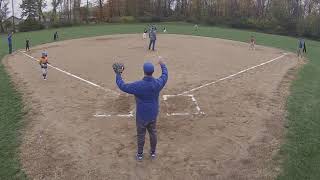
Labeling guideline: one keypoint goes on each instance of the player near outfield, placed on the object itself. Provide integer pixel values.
(27, 45)
(44, 64)
(252, 43)
(146, 92)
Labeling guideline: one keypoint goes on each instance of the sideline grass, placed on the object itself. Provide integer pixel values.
(302, 147)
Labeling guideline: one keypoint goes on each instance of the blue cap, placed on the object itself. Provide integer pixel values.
(148, 67)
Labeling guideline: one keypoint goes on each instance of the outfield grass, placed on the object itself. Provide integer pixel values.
(302, 145)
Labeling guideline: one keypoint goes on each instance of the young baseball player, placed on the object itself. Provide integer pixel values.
(55, 36)
(27, 45)
(164, 29)
(252, 43)
(196, 27)
(44, 64)
(144, 36)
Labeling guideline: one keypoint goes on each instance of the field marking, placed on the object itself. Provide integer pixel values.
(118, 115)
(74, 76)
(232, 75)
(193, 99)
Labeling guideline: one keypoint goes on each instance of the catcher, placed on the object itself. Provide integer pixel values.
(146, 92)
(44, 64)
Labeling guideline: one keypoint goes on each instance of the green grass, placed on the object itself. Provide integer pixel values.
(302, 145)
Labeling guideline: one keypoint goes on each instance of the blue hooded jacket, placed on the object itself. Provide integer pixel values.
(146, 92)
(10, 39)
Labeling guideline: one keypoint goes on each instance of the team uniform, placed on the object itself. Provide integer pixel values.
(164, 30)
(252, 43)
(196, 27)
(55, 36)
(144, 36)
(44, 65)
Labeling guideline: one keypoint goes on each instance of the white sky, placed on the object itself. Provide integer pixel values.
(17, 10)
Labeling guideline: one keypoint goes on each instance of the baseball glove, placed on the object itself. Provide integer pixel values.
(118, 68)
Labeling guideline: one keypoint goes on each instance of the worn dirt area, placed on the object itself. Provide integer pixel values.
(237, 137)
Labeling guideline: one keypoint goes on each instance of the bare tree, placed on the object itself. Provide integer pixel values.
(4, 11)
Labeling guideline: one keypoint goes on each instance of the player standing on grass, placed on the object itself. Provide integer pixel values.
(164, 29)
(27, 45)
(146, 92)
(304, 48)
(44, 64)
(196, 27)
(55, 36)
(301, 45)
(10, 42)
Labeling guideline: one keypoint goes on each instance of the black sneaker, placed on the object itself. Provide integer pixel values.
(139, 157)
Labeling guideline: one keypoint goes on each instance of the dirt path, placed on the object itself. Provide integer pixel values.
(236, 138)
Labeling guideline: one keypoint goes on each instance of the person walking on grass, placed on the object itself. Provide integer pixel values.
(153, 38)
(146, 92)
(10, 42)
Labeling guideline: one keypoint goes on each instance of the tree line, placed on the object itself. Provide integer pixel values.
(294, 17)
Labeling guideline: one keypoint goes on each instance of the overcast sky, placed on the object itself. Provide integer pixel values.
(17, 10)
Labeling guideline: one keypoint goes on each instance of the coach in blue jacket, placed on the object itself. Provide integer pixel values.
(146, 92)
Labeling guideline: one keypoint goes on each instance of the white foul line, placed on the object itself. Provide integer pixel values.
(74, 76)
(230, 76)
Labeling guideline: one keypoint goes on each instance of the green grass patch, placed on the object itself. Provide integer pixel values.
(302, 146)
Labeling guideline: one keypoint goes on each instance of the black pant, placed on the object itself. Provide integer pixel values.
(153, 43)
(27, 47)
(141, 132)
(10, 48)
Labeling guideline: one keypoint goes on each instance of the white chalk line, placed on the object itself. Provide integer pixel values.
(118, 115)
(74, 76)
(193, 99)
(232, 75)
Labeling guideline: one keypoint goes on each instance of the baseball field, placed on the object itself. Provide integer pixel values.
(227, 112)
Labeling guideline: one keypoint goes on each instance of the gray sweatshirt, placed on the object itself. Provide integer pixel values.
(153, 35)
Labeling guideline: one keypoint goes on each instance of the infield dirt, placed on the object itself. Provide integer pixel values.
(237, 138)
